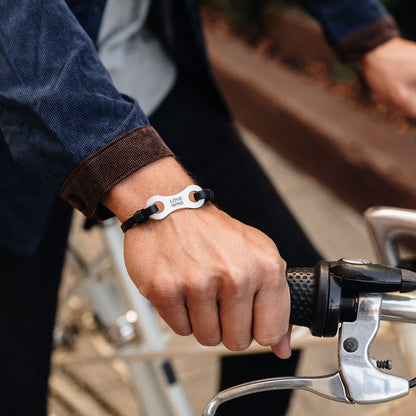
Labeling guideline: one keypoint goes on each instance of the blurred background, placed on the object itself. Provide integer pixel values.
(330, 150)
(252, 18)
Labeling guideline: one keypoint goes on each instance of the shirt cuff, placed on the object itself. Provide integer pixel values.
(355, 46)
(97, 174)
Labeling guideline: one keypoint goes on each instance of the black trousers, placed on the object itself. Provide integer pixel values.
(29, 286)
(209, 147)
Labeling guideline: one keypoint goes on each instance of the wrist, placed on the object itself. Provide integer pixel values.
(162, 177)
(381, 53)
(158, 207)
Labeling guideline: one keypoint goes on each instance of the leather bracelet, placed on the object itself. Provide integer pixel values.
(170, 204)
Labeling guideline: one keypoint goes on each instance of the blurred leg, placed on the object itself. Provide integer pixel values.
(27, 311)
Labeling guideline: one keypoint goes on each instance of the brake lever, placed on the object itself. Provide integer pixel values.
(331, 387)
(358, 379)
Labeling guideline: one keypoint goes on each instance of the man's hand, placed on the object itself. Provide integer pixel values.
(390, 71)
(205, 272)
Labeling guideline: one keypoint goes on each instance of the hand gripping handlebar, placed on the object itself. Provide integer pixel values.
(351, 296)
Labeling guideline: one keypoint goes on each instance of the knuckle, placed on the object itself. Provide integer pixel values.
(208, 341)
(160, 296)
(276, 267)
(282, 264)
(272, 260)
(235, 282)
(237, 345)
(275, 280)
(270, 340)
(181, 330)
(198, 286)
(401, 94)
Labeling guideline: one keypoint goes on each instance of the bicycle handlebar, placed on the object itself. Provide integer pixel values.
(327, 294)
(357, 294)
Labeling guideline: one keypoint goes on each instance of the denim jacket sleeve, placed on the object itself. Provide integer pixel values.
(59, 111)
(353, 27)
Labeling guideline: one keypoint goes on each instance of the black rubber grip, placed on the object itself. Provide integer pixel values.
(303, 285)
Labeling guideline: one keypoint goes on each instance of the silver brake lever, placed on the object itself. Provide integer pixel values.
(358, 380)
(330, 387)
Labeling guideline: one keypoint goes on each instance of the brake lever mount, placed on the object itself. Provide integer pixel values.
(364, 382)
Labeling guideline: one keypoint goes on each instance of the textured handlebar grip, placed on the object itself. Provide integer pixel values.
(303, 285)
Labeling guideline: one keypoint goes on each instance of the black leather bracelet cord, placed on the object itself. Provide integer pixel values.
(143, 215)
(139, 217)
(207, 194)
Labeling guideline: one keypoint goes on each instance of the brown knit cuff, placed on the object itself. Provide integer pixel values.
(355, 46)
(96, 175)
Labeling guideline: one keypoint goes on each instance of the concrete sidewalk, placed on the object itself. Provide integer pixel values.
(336, 230)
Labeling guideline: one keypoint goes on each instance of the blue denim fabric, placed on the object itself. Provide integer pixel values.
(89, 14)
(25, 199)
(342, 18)
(58, 104)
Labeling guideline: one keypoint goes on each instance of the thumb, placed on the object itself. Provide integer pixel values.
(282, 349)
